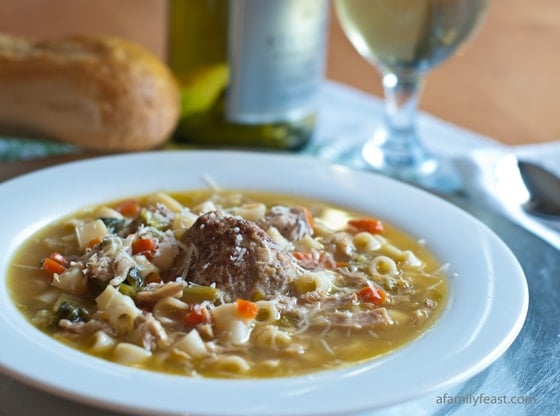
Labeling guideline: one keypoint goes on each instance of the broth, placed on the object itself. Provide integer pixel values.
(357, 287)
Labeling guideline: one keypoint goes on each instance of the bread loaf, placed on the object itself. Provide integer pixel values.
(102, 94)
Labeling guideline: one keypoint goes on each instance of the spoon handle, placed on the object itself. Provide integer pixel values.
(544, 190)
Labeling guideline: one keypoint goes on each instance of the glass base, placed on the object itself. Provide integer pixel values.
(429, 172)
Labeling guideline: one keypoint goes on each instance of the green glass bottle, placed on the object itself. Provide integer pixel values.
(249, 70)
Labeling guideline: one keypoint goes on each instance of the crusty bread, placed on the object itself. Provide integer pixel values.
(103, 94)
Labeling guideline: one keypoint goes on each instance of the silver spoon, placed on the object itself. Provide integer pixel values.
(543, 188)
(500, 185)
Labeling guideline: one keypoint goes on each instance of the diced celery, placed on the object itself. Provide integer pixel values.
(199, 293)
(153, 219)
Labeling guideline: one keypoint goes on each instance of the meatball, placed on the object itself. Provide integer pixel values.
(237, 256)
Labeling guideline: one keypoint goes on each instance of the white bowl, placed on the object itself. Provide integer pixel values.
(487, 304)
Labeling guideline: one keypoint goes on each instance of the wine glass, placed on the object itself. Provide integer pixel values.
(404, 39)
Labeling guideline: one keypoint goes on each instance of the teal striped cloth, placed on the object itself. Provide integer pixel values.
(13, 148)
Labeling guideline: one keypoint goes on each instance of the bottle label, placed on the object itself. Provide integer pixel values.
(276, 56)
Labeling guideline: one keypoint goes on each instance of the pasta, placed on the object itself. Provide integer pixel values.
(229, 328)
(383, 265)
(102, 342)
(219, 283)
(192, 344)
(119, 309)
(90, 231)
(251, 212)
(130, 354)
(268, 311)
(270, 336)
(366, 242)
(232, 364)
(314, 282)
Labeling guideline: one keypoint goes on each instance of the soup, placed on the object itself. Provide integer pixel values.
(227, 284)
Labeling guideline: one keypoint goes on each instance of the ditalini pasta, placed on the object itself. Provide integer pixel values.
(228, 284)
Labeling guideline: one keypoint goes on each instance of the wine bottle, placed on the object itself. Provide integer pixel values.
(249, 70)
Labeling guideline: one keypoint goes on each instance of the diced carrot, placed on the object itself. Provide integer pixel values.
(153, 278)
(52, 266)
(59, 258)
(372, 295)
(307, 259)
(95, 241)
(247, 310)
(129, 208)
(370, 225)
(196, 316)
(145, 246)
(303, 256)
(309, 217)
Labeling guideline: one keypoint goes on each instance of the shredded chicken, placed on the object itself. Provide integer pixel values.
(152, 294)
(292, 223)
(89, 327)
(149, 333)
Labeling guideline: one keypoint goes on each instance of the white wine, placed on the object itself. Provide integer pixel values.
(408, 35)
(249, 70)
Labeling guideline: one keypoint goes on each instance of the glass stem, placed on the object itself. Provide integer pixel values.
(396, 148)
(401, 101)
(400, 140)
